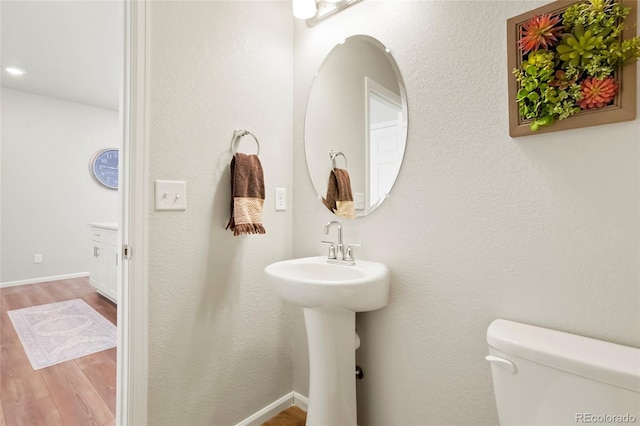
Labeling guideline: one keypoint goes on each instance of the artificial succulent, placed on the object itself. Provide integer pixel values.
(539, 32)
(597, 93)
(577, 48)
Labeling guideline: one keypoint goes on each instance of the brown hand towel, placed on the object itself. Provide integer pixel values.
(339, 198)
(247, 192)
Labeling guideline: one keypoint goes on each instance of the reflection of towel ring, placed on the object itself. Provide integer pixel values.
(333, 154)
(237, 135)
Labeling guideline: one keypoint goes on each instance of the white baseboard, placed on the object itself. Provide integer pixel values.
(43, 279)
(301, 401)
(292, 398)
(269, 411)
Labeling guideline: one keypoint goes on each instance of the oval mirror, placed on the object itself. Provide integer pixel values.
(356, 126)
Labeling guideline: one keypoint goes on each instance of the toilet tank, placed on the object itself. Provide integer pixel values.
(547, 377)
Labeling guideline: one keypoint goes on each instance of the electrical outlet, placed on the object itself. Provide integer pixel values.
(37, 258)
(358, 200)
(281, 198)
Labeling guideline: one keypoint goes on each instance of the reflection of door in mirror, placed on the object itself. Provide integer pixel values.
(385, 141)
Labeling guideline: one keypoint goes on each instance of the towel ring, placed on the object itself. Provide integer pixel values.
(237, 135)
(333, 154)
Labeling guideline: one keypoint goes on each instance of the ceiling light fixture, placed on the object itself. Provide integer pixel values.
(316, 11)
(15, 71)
(304, 9)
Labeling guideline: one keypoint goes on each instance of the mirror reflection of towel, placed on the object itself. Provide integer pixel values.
(339, 198)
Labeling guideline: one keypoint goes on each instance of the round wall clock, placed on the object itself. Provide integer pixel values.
(103, 166)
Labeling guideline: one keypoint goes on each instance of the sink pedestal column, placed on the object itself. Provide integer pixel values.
(332, 363)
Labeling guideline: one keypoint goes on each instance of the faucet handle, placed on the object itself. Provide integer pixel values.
(332, 249)
(348, 253)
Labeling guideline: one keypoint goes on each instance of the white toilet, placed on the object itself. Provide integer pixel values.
(547, 377)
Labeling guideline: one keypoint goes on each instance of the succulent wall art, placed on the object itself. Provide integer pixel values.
(572, 64)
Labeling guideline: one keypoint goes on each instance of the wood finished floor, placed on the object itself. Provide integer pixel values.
(292, 416)
(74, 393)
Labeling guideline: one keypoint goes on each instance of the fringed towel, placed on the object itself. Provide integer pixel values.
(339, 197)
(247, 192)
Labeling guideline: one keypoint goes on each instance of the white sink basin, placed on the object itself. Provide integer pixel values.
(312, 282)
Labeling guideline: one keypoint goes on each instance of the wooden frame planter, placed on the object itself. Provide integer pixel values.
(623, 107)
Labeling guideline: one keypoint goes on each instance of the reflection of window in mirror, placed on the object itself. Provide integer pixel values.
(386, 129)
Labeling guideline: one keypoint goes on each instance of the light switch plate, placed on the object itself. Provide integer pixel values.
(171, 195)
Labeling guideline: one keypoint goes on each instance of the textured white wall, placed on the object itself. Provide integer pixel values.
(48, 195)
(219, 338)
(540, 229)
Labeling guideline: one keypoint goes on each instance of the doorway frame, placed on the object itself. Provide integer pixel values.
(132, 358)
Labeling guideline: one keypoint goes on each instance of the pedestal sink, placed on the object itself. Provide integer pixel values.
(330, 295)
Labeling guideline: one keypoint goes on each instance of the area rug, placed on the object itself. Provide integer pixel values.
(61, 331)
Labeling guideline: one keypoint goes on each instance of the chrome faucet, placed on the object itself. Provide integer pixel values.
(337, 252)
(339, 225)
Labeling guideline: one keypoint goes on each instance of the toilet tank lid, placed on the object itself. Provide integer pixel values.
(602, 361)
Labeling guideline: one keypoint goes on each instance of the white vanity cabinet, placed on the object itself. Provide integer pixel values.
(103, 273)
